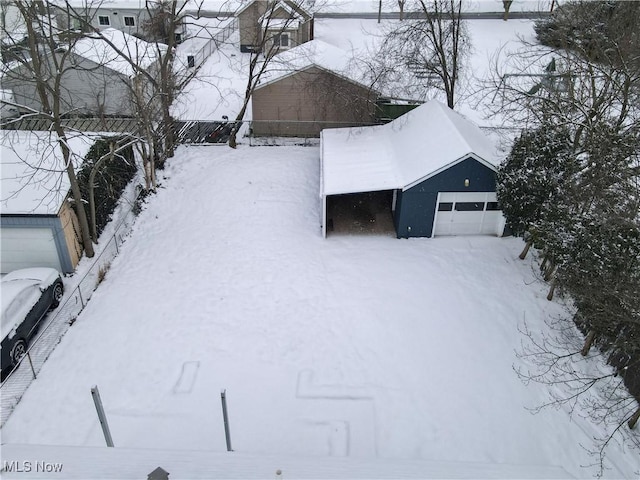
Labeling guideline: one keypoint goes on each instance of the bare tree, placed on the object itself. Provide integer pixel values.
(401, 5)
(430, 48)
(43, 63)
(154, 87)
(507, 6)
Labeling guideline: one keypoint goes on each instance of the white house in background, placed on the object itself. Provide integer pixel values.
(128, 16)
(38, 226)
(97, 79)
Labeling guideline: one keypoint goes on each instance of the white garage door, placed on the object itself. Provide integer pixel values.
(27, 247)
(468, 213)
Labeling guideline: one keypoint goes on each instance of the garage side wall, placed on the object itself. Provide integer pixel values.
(71, 228)
(416, 206)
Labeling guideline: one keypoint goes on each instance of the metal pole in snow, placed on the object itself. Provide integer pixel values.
(227, 434)
(101, 416)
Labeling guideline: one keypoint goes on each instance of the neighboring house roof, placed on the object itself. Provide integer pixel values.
(291, 7)
(116, 4)
(33, 178)
(314, 53)
(142, 53)
(400, 154)
(270, 19)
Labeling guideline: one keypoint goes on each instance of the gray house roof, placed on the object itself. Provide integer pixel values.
(99, 51)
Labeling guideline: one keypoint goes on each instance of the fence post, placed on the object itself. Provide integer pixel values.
(225, 418)
(101, 415)
(80, 294)
(33, 370)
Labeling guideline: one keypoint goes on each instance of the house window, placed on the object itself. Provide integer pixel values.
(281, 40)
(129, 21)
(103, 20)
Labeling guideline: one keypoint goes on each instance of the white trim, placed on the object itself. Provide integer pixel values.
(323, 225)
(435, 216)
(324, 216)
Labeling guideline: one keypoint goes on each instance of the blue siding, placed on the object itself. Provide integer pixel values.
(43, 221)
(416, 206)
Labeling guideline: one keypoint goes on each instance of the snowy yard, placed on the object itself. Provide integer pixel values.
(366, 347)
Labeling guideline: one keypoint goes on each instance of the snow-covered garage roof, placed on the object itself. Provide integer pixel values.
(398, 155)
(33, 176)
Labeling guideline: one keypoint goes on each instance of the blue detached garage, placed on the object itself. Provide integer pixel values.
(435, 167)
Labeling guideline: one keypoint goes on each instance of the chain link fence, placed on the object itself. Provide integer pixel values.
(56, 324)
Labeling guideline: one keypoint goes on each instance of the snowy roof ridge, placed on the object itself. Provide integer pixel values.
(99, 51)
(406, 151)
(314, 53)
(440, 132)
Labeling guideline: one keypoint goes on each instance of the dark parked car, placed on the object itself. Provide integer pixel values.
(27, 296)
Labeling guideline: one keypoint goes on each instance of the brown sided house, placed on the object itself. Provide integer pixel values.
(307, 89)
(284, 23)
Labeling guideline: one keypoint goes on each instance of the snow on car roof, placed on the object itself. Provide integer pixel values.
(13, 284)
(12, 313)
(43, 275)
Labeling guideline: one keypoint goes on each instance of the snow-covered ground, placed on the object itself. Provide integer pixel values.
(366, 347)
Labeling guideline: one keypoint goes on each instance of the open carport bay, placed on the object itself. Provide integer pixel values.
(358, 213)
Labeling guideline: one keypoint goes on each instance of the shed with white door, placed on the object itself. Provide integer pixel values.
(437, 169)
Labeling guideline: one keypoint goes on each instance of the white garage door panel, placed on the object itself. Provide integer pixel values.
(27, 247)
(461, 217)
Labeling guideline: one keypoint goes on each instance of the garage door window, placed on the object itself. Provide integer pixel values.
(469, 206)
(445, 207)
(492, 206)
